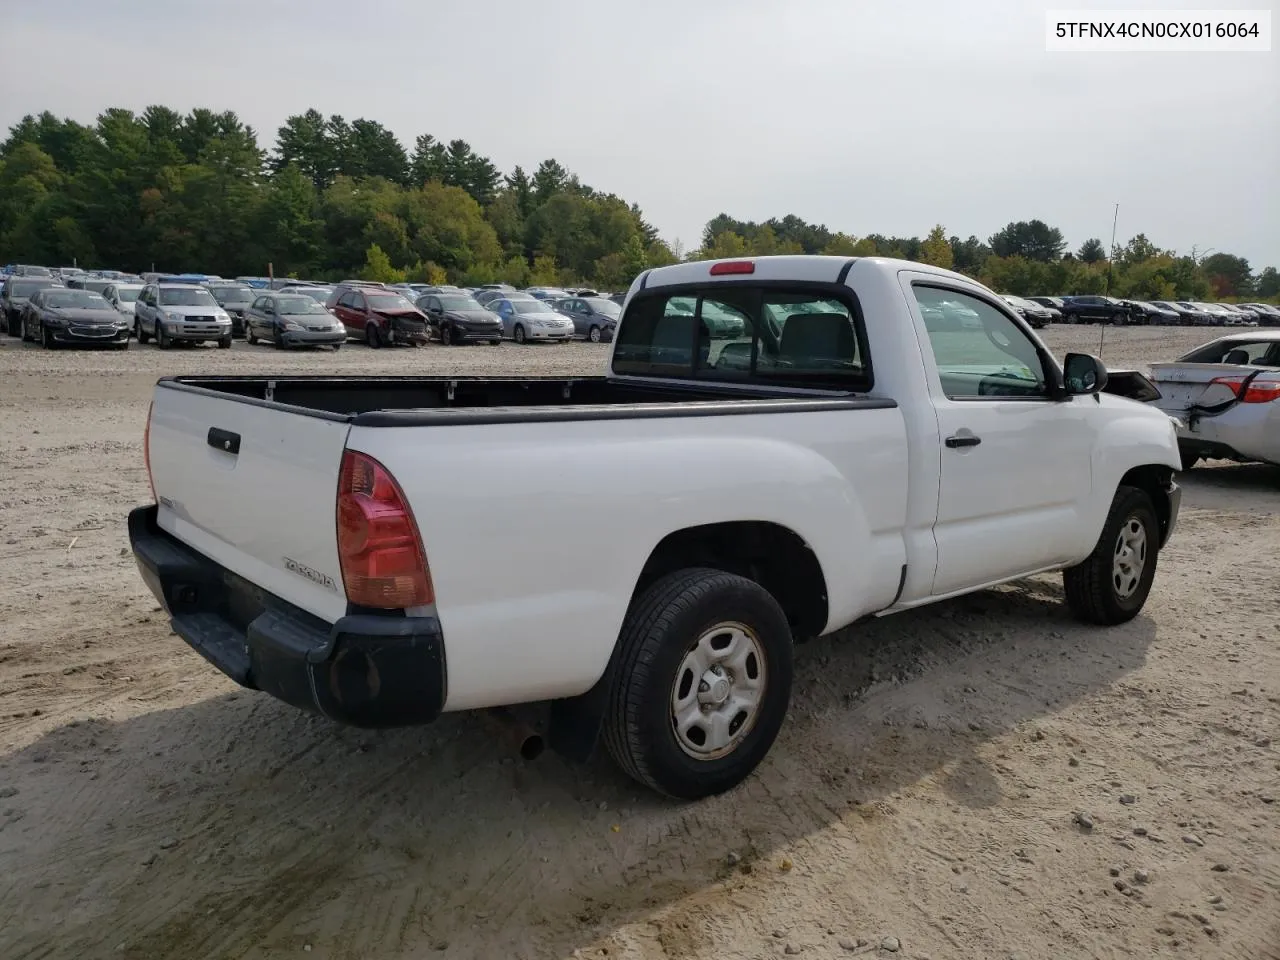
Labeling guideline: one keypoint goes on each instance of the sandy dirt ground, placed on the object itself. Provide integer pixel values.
(922, 800)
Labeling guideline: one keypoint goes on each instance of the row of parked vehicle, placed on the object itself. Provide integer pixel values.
(64, 306)
(1039, 311)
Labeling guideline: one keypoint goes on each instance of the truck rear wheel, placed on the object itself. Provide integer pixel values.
(1111, 586)
(701, 683)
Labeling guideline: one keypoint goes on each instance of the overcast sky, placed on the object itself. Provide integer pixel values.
(868, 117)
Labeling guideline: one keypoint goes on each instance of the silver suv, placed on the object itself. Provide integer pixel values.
(180, 312)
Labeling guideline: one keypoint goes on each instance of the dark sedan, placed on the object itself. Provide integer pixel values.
(235, 298)
(1149, 312)
(458, 318)
(292, 320)
(594, 318)
(14, 296)
(57, 316)
(1037, 316)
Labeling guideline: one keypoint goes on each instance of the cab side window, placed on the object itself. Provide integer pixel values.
(979, 351)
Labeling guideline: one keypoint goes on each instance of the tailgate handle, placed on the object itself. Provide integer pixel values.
(224, 440)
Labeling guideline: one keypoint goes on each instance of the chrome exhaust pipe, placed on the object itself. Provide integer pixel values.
(526, 741)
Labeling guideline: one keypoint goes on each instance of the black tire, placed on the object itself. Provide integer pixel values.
(495, 343)
(276, 340)
(518, 334)
(1093, 587)
(23, 332)
(337, 347)
(1189, 457)
(46, 338)
(446, 335)
(594, 334)
(224, 343)
(142, 335)
(162, 338)
(122, 346)
(372, 336)
(250, 336)
(660, 631)
(11, 325)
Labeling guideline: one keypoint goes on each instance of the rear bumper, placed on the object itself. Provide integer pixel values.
(365, 670)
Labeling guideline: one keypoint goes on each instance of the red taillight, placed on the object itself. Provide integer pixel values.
(146, 452)
(732, 266)
(383, 563)
(1256, 392)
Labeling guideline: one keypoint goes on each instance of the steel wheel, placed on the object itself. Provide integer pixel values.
(446, 335)
(716, 697)
(518, 334)
(594, 334)
(1129, 558)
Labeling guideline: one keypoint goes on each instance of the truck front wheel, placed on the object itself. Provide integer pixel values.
(701, 683)
(1111, 586)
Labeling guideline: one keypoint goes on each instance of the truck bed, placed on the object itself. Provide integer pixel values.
(427, 401)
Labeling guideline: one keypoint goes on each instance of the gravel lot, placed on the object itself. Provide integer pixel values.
(924, 795)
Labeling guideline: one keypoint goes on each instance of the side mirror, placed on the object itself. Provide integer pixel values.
(1083, 373)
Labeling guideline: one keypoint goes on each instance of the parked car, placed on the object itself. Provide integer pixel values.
(619, 298)
(86, 282)
(668, 629)
(1239, 316)
(547, 293)
(485, 296)
(292, 320)
(15, 293)
(1188, 316)
(379, 317)
(1095, 309)
(123, 296)
(582, 292)
(1218, 314)
(458, 318)
(1268, 314)
(321, 294)
(525, 319)
(1030, 311)
(31, 270)
(235, 299)
(1226, 397)
(594, 318)
(58, 316)
(1150, 312)
(180, 313)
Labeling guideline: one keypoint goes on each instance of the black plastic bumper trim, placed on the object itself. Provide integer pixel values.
(366, 670)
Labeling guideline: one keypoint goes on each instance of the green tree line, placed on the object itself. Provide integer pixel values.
(1026, 258)
(336, 197)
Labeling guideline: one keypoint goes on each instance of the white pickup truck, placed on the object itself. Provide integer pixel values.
(780, 447)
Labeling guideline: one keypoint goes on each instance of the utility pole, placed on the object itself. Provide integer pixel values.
(1110, 264)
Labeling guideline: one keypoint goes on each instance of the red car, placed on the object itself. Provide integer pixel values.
(378, 316)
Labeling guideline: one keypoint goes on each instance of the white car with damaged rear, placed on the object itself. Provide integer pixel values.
(842, 450)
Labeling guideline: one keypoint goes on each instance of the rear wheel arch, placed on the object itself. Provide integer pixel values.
(773, 556)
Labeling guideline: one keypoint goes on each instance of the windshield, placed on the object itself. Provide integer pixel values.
(382, 301)
(529, 306)
(291, 306)
(75, 298)
(25, 288)
(607, 307)
(186, 297)
(459, 303)
(128, 294)
(232, 294)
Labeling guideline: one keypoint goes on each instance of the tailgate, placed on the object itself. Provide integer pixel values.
(254, 489)
(1184, 385)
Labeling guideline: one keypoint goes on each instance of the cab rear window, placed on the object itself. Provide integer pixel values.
(802, 335)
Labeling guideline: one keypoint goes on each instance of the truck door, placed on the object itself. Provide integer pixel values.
(1015, 463)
